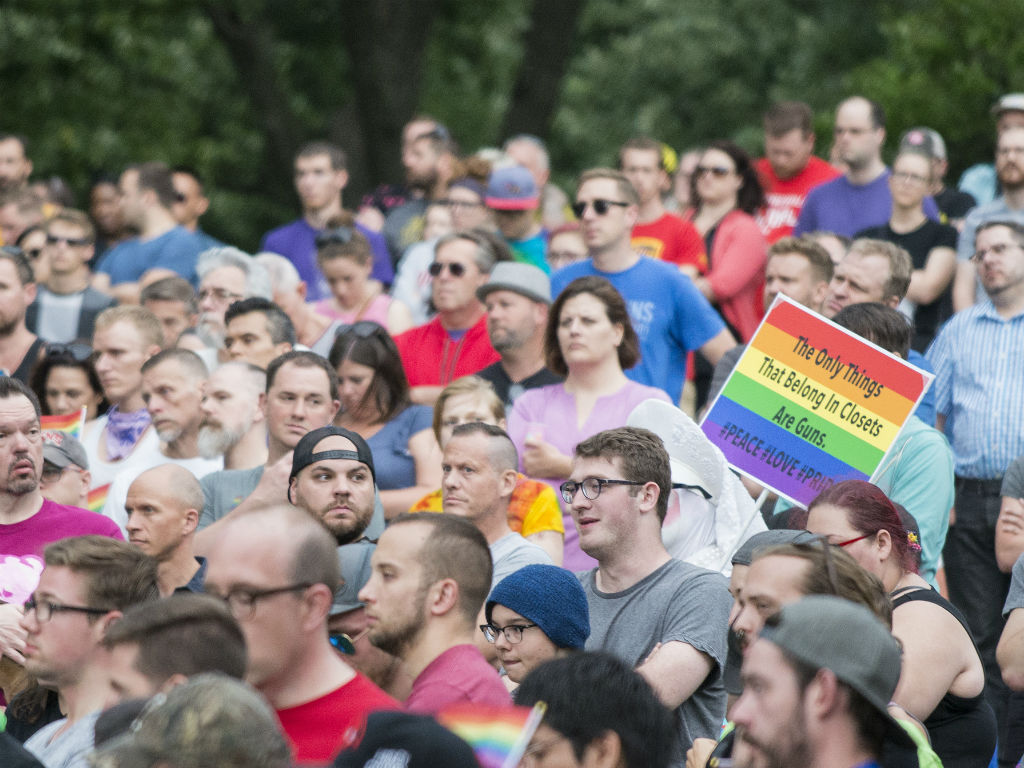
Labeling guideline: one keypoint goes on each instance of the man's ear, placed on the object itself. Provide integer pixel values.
(605, 751)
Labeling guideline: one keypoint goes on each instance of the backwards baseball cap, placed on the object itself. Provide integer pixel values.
(63, 450)
(828, 632)
(512, 189)
(1010, 102)
(925, 141)
(407, 740)
(524, 279)
(304, 452)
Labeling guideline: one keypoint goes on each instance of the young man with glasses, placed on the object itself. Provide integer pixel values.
(665, 617)
(670, 316)
(277, 569)
(320, 177)
(86, 584)
(66, 306)
(455, 342)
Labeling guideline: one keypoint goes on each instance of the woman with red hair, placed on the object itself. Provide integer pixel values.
(943, 680)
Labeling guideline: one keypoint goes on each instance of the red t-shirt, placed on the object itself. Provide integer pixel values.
(459, 675)
(672, 239)
(785, 198)
(319, 729)
(432, 358)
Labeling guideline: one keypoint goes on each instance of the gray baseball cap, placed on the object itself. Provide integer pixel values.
(828, 632)
(63, 450)
(524, 279)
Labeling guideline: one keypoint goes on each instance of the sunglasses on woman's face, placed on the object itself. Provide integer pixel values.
(719, 171)
(454, 269)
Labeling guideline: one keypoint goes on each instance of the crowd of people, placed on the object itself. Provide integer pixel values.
(287, 508)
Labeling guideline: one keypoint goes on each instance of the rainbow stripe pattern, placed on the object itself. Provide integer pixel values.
(69, 424)
(810, 404)
(97, 498)
(498, 735)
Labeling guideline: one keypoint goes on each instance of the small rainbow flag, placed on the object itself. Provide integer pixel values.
(498, 735)
(68, 423)
(97, 498)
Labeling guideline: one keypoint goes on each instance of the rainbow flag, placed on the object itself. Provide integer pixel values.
(498, 735)
(810, 404)
(68, 423)
(97, 498)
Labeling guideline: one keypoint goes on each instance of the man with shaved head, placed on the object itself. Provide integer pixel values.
(277, 569)
(163, 506)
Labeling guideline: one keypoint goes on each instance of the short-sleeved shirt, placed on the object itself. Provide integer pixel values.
(393, 464)
(225, 490)
(177, 250)
(672, 239)
(670, 317)
(512, 552)
(509, 390)
(785, 197)
(676, 602)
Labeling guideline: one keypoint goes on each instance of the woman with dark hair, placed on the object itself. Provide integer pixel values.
(943, 680)
(375, 404)
(345, 257)
(590, 340)
(65, 381)
(726, 195)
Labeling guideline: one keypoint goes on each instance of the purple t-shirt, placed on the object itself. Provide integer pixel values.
(846, 209)
(458, 675)
(22, 544)
(297, 242)
(551, 412)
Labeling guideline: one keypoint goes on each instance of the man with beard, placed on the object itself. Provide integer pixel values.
(431, 574)
(172, 384)
(28, 522)
(233, 424)
(1009, 206)
(817, 683)
(225, 276)
(163, 506)
(517, 298)
(320, 177)
(277, 569)
(19, 347)
(429, 162)
(15, 166)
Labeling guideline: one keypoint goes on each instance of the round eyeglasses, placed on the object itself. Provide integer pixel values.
(591, 487)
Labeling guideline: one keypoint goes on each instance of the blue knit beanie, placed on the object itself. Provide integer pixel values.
(550, 597)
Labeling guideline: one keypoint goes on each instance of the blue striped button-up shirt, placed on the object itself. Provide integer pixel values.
(979, 387)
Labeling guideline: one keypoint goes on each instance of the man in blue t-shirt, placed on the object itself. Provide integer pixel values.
(320, 177)
(162, 248)
(669, 315)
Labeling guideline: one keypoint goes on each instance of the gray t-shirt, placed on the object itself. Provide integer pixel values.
(678, 601)
(225, 490)
(1013, 480)
(512, 552)
(1015, 597)
(68, 750)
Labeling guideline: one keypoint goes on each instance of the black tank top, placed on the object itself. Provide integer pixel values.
(962, 729)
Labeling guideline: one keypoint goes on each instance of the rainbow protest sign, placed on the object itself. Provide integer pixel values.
(810, 404)
(498, 735)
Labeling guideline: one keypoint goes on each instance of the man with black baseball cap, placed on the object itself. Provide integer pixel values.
(333, 479)
(517, 298)
(817, 684)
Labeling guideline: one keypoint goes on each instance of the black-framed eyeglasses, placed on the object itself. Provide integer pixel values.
(719, 171)
(513, 632)
(591, 487)
(339, 235)
(601, 207)
(44, 609)
(455, 268)
(74, 242)
(242, 602)
(77, 351)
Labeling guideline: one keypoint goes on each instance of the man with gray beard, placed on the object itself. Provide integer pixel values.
(172, 384)
(233, 424)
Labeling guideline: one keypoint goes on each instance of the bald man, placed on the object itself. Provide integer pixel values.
(163, 507)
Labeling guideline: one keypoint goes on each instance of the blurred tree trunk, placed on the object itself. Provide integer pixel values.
(547, 50)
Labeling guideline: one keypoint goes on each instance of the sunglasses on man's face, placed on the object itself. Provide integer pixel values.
(601, 207)
(455, 269)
